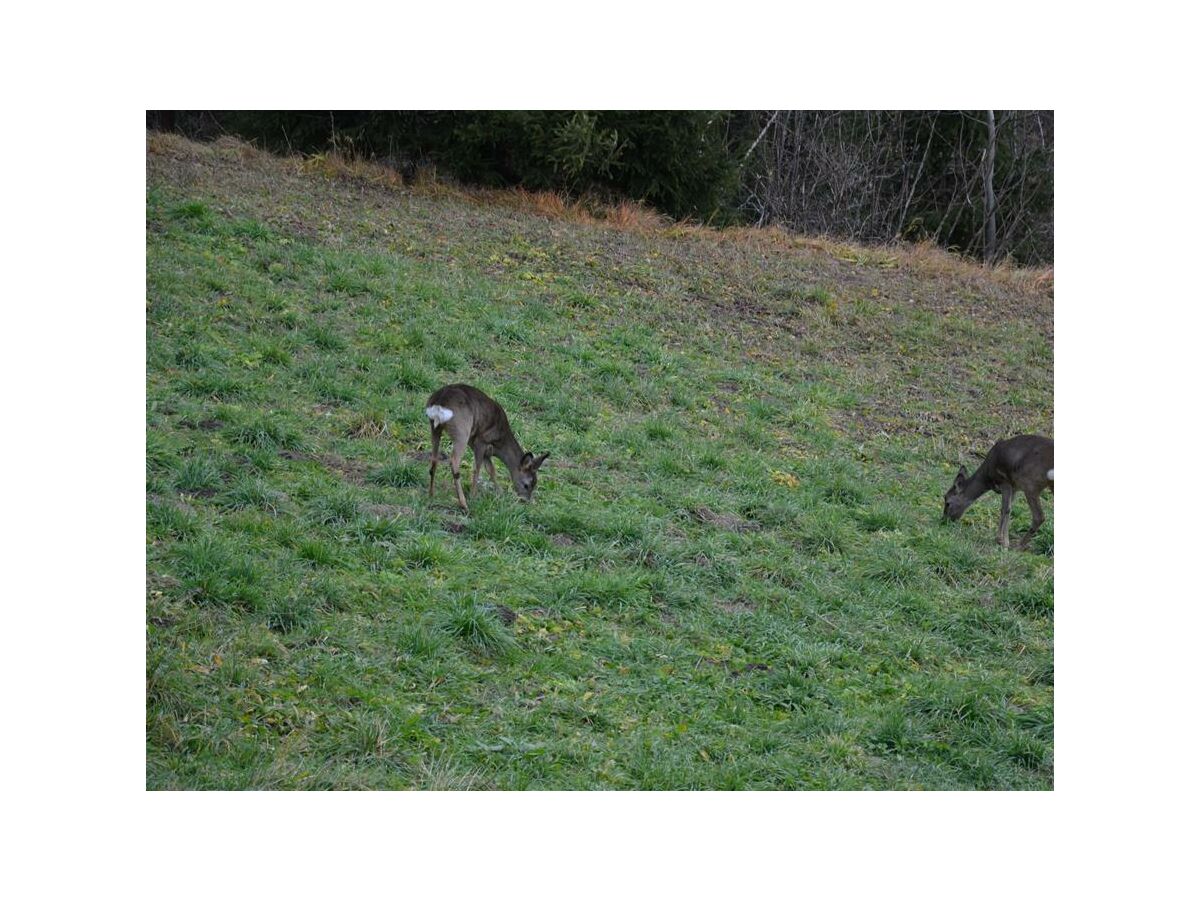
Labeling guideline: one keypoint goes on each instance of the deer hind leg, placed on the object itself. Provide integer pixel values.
(1035, 507)
(475, 474)
(456, 455)
(1006, 495)
(436, 435)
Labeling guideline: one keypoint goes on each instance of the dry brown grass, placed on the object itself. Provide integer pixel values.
(928, 258)
(162, 143)
(629, 216)
(548, 204)
(923, 258)
(229, 148)
(335, 165)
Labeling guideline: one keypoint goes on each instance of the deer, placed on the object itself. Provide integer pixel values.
(1024, 463)
(475, 420)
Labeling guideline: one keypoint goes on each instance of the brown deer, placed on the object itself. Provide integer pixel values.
(1024, 463)
(475, 420)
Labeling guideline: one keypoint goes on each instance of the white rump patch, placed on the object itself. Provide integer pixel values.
(439, 414)
(1050, 474)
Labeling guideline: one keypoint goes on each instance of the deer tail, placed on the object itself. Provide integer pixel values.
(439, 415)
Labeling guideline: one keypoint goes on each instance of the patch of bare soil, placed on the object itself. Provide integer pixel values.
(740, 606)
(388, 511)
(176, 502)
(157, 583)
(562, 540)
(503, 613)
(351, 470)
(738, 672)
(202, 425)
(725, 521)
(748, 668)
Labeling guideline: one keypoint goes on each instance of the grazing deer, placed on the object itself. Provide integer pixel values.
(477, 421)
(1024, 463)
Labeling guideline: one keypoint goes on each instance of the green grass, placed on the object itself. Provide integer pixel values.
(732, 575)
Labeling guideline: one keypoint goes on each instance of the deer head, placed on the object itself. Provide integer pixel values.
(525, 478)
(956, 500)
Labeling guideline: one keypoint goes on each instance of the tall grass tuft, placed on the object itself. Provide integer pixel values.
(478, 628)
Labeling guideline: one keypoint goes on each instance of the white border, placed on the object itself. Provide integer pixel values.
(74, 363)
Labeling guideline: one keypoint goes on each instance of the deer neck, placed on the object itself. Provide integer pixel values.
(510, 452)
(977, 485)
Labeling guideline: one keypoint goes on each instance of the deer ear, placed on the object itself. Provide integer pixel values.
(536, 464)
(961, 476)
(527, 461)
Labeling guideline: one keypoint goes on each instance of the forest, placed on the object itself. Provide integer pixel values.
(976, 182)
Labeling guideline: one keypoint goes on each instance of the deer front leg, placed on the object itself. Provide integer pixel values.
(491, 471)
(1006, 495)
(1035, 507)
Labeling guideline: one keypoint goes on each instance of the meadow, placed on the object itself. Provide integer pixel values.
(733, 574)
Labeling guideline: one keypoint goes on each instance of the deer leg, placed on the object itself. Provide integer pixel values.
(456, 456)
(433, 457)
(1035, 507)
(475, 474)
(491, 471)
(1006, 495)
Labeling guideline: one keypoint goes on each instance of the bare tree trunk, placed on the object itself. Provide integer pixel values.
(979, 182)
(989, 190)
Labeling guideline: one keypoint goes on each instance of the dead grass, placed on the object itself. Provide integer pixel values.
(630, 216)
(227, 148)
(548, 204)
(335, 165)
(924, 258)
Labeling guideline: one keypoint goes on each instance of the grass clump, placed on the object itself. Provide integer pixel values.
(195, 215)
(891, 564)
(198, 475)
(323, 337)
(318, 552)
(372, 423)
(478, 628)
(216, 575)
(290, 613)
(165, 520)
(823, 531)
(337, 507)
(400, 475)
(419, 641)
(1031, 598)
(425, 553)
(265, 433)
(249, 492)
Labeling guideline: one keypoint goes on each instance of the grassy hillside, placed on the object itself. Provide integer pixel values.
(732, 575)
